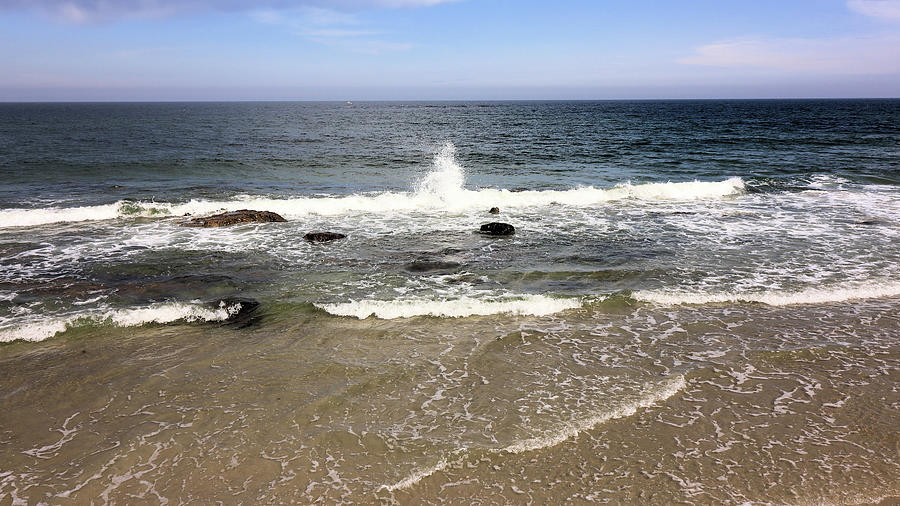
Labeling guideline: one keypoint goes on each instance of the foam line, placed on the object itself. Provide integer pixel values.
(774, 298)
(381, 203)
(534, 305)
(650, 397)
(416, 476)
(440, 190)
(156, 313)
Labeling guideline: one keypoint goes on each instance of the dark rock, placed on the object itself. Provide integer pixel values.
(323, 236)
(498, 229)
(494, 210)
(431, 265)
(233, 218)
(242, 310)
(194, 286)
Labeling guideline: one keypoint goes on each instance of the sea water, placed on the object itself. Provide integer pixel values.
(699, 304)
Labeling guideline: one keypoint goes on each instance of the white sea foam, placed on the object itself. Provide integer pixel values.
(42, 216)
(441, 190)
(429, 198)
(534, 305)
(155, 313)
(416, 476)
(447, 178)
(649, 397)
(775, 298)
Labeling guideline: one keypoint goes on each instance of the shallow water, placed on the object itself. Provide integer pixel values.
(622, 404)
(700, 303)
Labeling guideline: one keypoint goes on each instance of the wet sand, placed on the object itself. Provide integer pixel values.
(699, 405)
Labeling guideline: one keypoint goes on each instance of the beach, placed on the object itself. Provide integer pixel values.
(699, 303)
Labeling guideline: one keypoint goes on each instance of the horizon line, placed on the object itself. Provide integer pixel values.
(412, 100)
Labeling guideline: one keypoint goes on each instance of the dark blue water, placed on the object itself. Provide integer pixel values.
(83, 154)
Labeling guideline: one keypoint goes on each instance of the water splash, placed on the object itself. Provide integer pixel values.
(447, 177)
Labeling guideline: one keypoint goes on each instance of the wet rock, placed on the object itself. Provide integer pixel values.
(234, 218)
(323, 236)
(243, 310)
(498, 229)
(193, 286)
(431, 265)
(494, 210)
(63, 287)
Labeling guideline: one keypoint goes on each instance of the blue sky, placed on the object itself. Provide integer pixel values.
(446, 49)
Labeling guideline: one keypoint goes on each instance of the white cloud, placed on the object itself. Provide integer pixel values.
(331, 28)
(838, 56)
(93, 11)
(90, 11)
(400, 4)
(337, 32)
(884, 9)
(304, 18)
(364, 46)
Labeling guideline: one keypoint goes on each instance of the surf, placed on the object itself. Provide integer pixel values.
(442, 189)
(819, 295)
(160, 313)
(530, 305)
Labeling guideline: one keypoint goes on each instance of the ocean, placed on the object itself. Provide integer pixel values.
(700, 303)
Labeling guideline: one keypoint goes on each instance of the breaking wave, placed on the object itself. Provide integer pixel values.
(441, 190)
(532, 305)
(774, 298)
(155, 313)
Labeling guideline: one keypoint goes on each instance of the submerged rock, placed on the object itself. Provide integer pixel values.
(497, 228)
(431, 265)
(233, 218)
(494, 210)
(323, 236)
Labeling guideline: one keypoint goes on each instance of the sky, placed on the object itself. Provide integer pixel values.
(447, 49)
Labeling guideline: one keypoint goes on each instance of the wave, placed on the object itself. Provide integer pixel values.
(32, 217)
(649, 397)
(380, 203)
(416, 476)
(441, 190)
(773, 298)
(134, 317)
(533, 305)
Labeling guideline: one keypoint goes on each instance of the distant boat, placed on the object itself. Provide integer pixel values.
(349, 103)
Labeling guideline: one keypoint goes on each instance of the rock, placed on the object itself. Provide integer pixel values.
(431, 265)
(494, 210)
(242, 310)
(233, 218)
(323, 236)
(498, 229)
